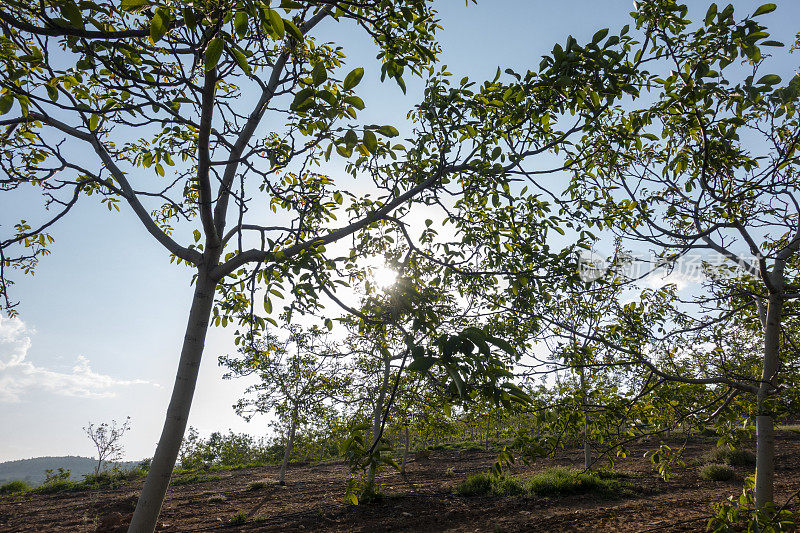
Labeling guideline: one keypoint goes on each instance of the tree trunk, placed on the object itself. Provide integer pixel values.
(765, 439)
(288, 451)
(148, 507)
(587, 447)
(488, 420)
(405, 455)
(377, 417)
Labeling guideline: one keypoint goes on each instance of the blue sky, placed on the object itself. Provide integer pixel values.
(102, 321)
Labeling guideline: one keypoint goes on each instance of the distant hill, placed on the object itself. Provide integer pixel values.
(32, 470)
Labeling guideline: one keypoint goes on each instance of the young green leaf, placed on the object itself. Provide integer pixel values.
(388, 131)
(5, 103)
(764, 9)
(319, 74)
(213, 53)
(240, 23)
(370, 141)
(159, 26)
(352, 79)
(293, 30)
(276, 22)
(72, 12)
(241, 60)
(132, 5)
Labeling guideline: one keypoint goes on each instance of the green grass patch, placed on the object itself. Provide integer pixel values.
(196, 478)
(238, 519)
(256, 485)
(724, 455)
(717, 472)
(551, 482)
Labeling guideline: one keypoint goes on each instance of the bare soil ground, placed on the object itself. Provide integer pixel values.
(423, 500)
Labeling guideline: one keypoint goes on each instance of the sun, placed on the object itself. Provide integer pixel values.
(383, 276)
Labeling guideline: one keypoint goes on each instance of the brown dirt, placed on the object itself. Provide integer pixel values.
(423, 500)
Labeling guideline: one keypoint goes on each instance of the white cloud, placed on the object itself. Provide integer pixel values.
(19, 376)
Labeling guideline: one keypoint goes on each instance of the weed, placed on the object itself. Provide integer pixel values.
(57, 486)
(196, 478)
(110, 479)
(605, 473)
(238, 519)
(450, 472)
(14, 487)
(724, 455)
(370, 495)
(717, 472)
(217, 498)
(476, 485)
(551, 482)
(741, 458)
(256, 485)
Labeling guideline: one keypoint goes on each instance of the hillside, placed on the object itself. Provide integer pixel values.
(425, 499)
(32, 470)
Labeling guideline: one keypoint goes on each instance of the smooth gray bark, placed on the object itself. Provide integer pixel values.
(587, 447)
(148, 507)
(765, 438)
(488, 421)
(377, 416)
(405, 454)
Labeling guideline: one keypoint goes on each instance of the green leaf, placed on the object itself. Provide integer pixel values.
(189, 17)
(456, 379)
(276, 22)
(241, 60)
(764, 9)
(600, 35)
(329, 324)
(159, 26)
(5, 103)
(503, 345)
(421, 364)
(370, 141)
(710, 14)
(353, 79)
(355, 101)
(388, 131)
(197, 235)
(293, 30)
(72, 12)
(94, 120)
(213, 53)
(319, 74)
(301, 98)
(769, 79)
(133, 5)
(240, 23)
(52, 92)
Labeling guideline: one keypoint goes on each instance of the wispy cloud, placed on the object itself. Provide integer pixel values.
(19, 376)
